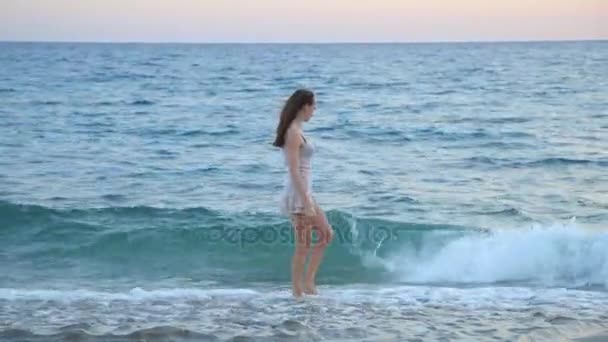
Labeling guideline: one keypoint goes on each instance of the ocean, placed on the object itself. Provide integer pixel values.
(467, 184)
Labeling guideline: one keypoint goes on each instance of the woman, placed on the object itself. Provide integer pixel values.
(298, 201)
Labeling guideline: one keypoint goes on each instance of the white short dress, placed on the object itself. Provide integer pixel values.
(291, 202)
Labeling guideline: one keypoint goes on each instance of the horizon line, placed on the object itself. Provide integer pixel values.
(558, 40)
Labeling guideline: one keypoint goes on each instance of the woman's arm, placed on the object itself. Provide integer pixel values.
(292, 148)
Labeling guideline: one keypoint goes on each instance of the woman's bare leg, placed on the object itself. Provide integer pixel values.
(325, 234)
(303, 238)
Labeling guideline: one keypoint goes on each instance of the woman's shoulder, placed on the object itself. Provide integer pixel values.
(293, 133)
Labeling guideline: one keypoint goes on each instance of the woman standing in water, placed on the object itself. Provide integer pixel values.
(298, 201)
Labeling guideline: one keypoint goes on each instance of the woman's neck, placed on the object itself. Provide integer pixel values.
(297, 124)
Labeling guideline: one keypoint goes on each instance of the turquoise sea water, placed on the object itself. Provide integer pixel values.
(467, 184)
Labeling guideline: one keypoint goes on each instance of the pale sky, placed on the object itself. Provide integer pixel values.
(302, 20)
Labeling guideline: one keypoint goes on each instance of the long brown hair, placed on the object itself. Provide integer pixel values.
(293, 105)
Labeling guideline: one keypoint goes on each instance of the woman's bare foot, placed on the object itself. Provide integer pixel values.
(310, 288)
(297, 292)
